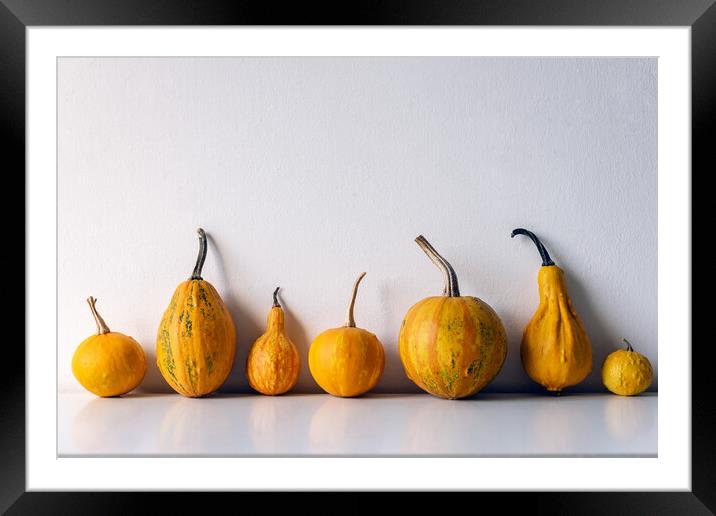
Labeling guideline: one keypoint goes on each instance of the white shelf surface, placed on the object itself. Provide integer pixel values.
(487, 425)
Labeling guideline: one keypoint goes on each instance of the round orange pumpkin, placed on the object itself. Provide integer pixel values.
(346, 361)
(451, 346)
(109, 363)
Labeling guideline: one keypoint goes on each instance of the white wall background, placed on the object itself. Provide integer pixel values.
(307, 171)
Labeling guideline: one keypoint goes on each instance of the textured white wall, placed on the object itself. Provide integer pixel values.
(307, 171)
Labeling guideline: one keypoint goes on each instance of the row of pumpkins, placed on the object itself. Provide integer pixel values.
(451, 346)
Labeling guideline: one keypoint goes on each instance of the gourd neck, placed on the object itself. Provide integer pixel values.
(102, 327)
(350, 320)
(628, 345)
(551, 282)
(196, 275)
(275, 318)
(451, 288)
(546, 260)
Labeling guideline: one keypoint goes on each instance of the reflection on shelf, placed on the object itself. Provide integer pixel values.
(390, 425)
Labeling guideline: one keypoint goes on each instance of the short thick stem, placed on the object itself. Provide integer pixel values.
(196, 275)
(350, 321)
(102, 327)
(451, 287)
(546, 260)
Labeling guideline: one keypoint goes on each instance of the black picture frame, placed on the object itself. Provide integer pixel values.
(700, 15)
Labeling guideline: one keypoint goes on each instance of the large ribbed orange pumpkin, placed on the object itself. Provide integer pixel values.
(451, 345)
(196, 339)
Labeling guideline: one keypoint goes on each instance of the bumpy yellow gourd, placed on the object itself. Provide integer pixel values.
(626, 372)
(451, 346)
(196, 339)
(109, 363)
(346, 361)
(555, 351)
(273, 363)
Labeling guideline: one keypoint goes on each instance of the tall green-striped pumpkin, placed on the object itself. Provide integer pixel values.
(196, 340)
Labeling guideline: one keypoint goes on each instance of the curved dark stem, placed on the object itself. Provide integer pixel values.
(196, 275)
(451, 286)
(628, 345)
(275, 299)
(546, 260)
(350, 321)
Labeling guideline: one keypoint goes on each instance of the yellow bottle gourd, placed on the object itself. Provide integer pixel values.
(273, 362)
(347, 361)
(451, 346)
(109, 363)
(556, 352)
(196, 339)
(627, 372)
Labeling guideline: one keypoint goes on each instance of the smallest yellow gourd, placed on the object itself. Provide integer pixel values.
(109, 363)
(273, 363)
(626, 372)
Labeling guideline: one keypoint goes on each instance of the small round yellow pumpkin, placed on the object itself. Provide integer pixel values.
(109, 363)
(273, 362)
(626, 372)
(347, 361)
